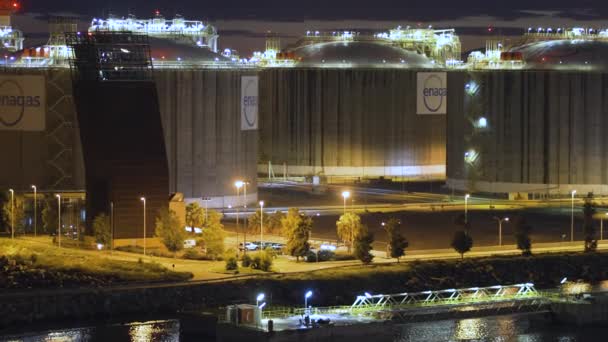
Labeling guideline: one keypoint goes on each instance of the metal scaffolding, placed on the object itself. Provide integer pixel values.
(472, 295)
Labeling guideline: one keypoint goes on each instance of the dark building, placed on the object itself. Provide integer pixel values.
(120, 130)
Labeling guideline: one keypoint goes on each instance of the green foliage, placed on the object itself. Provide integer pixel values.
(462, 242)
(246, 260)
(363, 246)
(32, 265)
(18, 206)
(297, 228)
(49, 214)
(231, 264)
(522, 236)
(102, 230)
(349, 227)
(214, 235)
(192, 254)
(320, 256)
(397, 242)
(272, 222)
(261, 261)
(195, 215)
(170, 230)
(275, 225)
(588, 224)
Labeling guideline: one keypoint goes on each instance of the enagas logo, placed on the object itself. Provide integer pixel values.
(249, 103)
(13, 103)
(434, 93)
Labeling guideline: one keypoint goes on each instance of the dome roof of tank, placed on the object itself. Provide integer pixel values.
(566, 54)
(359, 54)
(170, 50)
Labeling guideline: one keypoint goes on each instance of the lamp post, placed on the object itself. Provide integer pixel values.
(111, 227)
(345, 195)
(206, 200)
(12, 212)
(58, 219)
(602, 227)
(466, 208)
(261, 225)
(259, 298)
(306, 296)
(143, 199)
(238, 185)
(245, 210)
(572, 216)
(35, 210)
(500, 221)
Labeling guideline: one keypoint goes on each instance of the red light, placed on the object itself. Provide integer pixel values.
(490, 29)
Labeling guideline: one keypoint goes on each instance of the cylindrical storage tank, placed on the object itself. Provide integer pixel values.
(349, 122)
(542, 133)
(207, 149)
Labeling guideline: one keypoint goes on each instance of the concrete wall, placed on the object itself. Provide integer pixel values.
(207, 150)
(348, 122)
(545, 132)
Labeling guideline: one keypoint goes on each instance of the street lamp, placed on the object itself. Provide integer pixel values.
(12, 212)
(466, 208)
(143, 199)
(58, 219)
(259, 298)
(306, 296)
(602, 226)
(111, 227)
(35, 210)
(261, 225)
(572, 216)
(238, 185)
(206, 200)
(500, 221)
(345, 195)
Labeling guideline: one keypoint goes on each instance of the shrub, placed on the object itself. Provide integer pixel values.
(262, 261)
(231, 264)
(246, 260)
(323, 255)
(192, 254)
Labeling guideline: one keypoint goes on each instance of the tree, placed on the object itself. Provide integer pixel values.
(102, 230)
(349, 227)
(296, 227)
(214, 234)
(274, 223)
(522, 236)
(49, 214)
(397, 243)
(290, 221)
(588, 226)
(297, 236)
(18, 210)
(170, 230)
(363, 246)
(195, 216)
(462, 242)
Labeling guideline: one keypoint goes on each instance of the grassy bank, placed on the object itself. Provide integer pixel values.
(340, 286)
(25, 264)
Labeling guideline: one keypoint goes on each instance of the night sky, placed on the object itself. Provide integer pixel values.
(243, 24)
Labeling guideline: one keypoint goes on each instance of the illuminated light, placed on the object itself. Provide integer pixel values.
(99, 246)
(345, 194)
(308, 294)
(482, 122)
(239, 184)
(496, 287)
(260, 297)
(564, 280)
(368, 295)
(262, 305)
(427, 292)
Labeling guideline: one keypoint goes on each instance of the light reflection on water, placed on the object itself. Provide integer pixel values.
(151, 331)
(499, 328)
